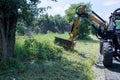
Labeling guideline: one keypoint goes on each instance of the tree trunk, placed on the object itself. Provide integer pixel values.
(7, 35)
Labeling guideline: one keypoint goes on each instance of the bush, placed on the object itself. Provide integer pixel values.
(40, 50)
(30, 48)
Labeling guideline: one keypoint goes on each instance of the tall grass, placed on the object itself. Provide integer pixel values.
(36, 47)
(41, 59)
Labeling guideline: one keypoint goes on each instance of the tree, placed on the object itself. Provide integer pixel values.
(10, 12)
(60, 24)
(53, 23)
(83, 28)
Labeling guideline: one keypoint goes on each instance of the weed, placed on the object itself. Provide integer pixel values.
(37, 58)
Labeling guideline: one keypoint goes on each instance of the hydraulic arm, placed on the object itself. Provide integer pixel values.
(81, 13)
(69, 44)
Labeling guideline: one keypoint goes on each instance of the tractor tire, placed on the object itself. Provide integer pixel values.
(107, 54)
(101, 47)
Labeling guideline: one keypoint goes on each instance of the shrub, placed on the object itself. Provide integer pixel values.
(41, 50)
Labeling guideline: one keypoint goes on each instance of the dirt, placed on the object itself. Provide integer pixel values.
(99, 72)
(102, 73)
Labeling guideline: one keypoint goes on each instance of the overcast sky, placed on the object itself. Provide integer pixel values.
(103, 8)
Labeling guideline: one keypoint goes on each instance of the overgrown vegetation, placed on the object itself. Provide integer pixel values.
(37, 58)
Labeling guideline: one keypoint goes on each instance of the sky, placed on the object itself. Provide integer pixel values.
(102, 7)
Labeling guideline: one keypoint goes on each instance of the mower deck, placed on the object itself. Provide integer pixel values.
(66, 44)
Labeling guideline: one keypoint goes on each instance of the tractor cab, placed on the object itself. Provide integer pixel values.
(114, 21)
(117, 27)
(116, 15)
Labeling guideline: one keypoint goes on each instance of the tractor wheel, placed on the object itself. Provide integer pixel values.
(101, 46)
(107, 54)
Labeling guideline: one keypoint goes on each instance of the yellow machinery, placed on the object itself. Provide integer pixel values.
(70, 43)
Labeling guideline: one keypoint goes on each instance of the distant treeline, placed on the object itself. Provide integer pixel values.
(44, 24)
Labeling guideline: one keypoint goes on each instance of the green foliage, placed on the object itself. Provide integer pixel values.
(37, 58)
(20, 51)
(52, 23)
(44, 24)
(84, 29)
(10, 12)
(11, 62)
(31, 48)
(20, 28)
(26, 8)
(40, 50)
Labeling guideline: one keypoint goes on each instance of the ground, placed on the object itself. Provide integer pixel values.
(103, 73)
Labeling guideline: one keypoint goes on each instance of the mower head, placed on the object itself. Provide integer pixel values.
(66, 44)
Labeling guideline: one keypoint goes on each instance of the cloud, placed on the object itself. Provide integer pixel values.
(56, 7)
(110, 3)
(58, 10)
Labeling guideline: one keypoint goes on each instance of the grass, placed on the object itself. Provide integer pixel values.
(69, 65)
